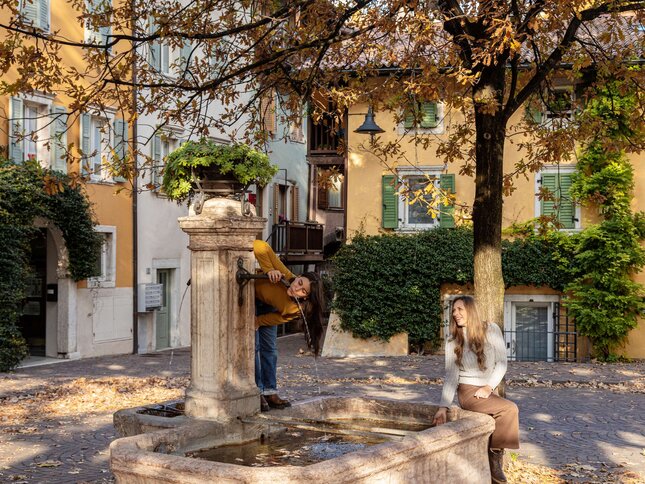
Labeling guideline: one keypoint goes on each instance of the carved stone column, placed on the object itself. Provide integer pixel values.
(222, 332)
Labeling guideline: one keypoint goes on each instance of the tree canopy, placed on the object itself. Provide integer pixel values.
(484, 60)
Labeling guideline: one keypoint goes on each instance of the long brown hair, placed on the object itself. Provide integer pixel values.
(476, 332)
(312, 307)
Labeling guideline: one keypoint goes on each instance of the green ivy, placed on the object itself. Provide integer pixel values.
(603, 298)
(24, 198)
(246, 164)
(391, 283)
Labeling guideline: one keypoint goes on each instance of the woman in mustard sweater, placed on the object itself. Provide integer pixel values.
(280, 299)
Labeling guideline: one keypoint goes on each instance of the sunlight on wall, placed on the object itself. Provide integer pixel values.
(356, 160)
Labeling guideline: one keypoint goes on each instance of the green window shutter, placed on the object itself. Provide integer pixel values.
(566, 209)
(428, 115)
(390, 203)
(409, 116)
(120, 144)
(156, 161)
(85, 143)
(154, 52)
(534, 114)
(16, 117)
(446, 216)
(549, 182)
(58, 129)
(43, 14)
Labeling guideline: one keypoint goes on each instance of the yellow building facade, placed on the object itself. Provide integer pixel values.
(92, 317)
(369, 208)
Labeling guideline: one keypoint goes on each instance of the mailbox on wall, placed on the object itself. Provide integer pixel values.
(150, 297)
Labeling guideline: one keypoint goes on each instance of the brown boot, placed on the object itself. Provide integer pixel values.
(264, 406)
(275, 401)
(496, 462)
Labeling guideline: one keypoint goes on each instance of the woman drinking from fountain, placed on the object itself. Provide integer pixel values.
(281, 298)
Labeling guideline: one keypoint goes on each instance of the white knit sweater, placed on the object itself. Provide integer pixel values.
(469, 372)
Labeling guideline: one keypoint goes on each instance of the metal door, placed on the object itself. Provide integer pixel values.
(531, 334)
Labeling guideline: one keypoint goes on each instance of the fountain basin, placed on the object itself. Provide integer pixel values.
(454, 452)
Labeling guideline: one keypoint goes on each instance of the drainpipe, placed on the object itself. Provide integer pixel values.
(345, 171)
(135, 188)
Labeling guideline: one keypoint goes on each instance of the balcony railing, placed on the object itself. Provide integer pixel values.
(298, 242)
(324, 137)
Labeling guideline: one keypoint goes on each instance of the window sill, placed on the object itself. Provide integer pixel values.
(417, 131)
(409, 230)
(103, 182)
(94, 284)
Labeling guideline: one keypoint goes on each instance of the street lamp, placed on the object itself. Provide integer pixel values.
(369, 126)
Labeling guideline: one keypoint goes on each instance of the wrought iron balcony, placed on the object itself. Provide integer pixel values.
(298, 242)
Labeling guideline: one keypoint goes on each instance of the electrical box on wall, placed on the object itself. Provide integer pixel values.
(150, 297)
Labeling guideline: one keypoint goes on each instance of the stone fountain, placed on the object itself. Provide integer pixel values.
(218, 435)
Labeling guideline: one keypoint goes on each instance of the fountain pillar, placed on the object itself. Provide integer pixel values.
(222, 332)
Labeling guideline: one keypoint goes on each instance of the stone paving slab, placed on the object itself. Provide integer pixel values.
(584, 424)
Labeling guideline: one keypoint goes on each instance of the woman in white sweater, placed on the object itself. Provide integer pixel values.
(475, 365)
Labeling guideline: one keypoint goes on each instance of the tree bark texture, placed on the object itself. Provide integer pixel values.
(487, 206)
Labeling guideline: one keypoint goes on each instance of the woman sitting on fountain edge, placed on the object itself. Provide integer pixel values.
(276, 303)
(475, 365)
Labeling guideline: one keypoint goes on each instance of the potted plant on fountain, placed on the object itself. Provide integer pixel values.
(205, 168)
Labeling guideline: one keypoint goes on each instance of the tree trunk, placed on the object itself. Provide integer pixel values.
(487, 208)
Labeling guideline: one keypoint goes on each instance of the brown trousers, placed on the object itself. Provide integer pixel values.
(505, 413)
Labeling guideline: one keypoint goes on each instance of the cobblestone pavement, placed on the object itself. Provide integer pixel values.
(589, 414)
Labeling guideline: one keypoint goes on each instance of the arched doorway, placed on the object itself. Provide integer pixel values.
(48, 319)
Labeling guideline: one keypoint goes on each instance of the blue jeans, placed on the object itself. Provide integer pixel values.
(266, 354)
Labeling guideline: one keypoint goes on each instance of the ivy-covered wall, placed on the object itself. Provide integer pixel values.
(388, 284)
(385, 284)
(29, 191)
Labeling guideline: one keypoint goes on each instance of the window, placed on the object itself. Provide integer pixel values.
(162, 146)
(560, 104)
(99, 142)
(95, 34)
(555, 108)
(167, 60)
(423, 117)
(415, 215)
(268, 112)
(296, 134)
(330, 187)
(412, 199)
(99, 134)
(35, 13)
(553, 198)
(37, 130)
(106, 261)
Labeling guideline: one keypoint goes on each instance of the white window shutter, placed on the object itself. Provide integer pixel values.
(154, 54)
(29, 12)
(156, 161)
(85, 143)
(185, 53)
(43, 14)
(58, 129)
(16, 121)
